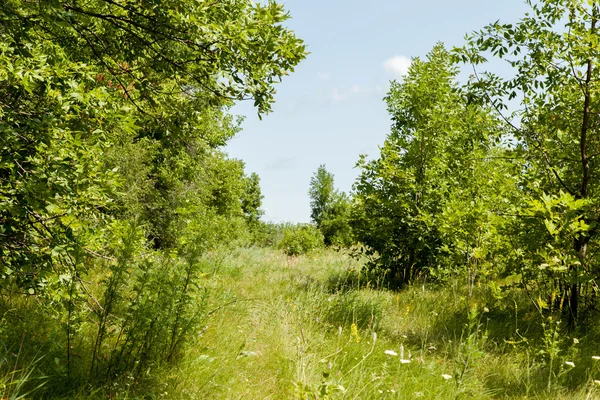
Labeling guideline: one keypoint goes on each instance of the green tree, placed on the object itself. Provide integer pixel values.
(79, 80)
(321, 192)
(435, 142)
(113, 118)
(252, 199)
(554, 53)
(335, 224)
(329, 208)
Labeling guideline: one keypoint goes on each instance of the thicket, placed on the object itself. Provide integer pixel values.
(495, 178)
(113, 178)
(330, 209)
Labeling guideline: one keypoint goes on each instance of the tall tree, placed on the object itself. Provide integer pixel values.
(252, 198)
(321, 192)
(435, 140)
(329, 209)
(152, 80)
(554, 53)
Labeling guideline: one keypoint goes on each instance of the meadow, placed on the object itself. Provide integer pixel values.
(314, 327)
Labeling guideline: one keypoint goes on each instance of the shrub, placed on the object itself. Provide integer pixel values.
(266, 234)
(300, 239)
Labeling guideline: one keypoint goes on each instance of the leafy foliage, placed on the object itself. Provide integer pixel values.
(252, 199)
(330, 209)
(300, 239)
(113, 181)
(408, 203)
(554, 53)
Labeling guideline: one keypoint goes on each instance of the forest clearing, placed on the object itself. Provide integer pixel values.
(139, 259)
(311, 327)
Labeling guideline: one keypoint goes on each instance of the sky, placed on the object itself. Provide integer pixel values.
(331, 109)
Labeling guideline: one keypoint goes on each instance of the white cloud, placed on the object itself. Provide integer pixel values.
(397, 65)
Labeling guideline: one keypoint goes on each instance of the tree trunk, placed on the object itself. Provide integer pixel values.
(581, 245)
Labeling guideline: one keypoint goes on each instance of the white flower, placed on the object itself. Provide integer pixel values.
(402, 359)
(596, 358)
(570, 364)
(597, 382)
(391, 353)
(575, 341)
(446, 376)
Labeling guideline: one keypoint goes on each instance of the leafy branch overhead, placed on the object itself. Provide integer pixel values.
(226, 50)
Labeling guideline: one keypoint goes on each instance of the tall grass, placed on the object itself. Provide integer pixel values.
(314, 327)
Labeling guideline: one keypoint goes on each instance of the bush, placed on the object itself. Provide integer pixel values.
(300, 239)
(266, 234)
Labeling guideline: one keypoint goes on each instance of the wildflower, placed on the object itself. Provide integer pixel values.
(486, 310)
(596, 358)
(446, 376)
(596, 382)
(391, 353)
(354, 332)
(575, 341)
(570, 364)
(402, 359)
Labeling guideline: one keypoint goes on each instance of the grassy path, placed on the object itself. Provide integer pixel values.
(299, 328)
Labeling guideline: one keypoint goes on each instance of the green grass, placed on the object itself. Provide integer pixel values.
(311, 327)
(306, 327)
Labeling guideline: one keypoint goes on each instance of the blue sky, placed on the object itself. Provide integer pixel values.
(330, 110)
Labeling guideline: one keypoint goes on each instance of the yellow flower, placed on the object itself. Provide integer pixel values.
(354, 332)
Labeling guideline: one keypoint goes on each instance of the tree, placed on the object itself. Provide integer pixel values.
(329, 209)
(554, 52)
(79, 80)
(113, 116)
(436, 140)
(321, 192)
(252, 199)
